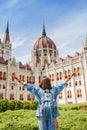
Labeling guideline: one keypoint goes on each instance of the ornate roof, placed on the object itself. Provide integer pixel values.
(2, 60)
(44, 41)
(27, 66)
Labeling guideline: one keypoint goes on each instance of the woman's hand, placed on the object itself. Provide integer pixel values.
(70, 76)
(15, 77)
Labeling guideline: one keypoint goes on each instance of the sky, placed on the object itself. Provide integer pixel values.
(65, 23)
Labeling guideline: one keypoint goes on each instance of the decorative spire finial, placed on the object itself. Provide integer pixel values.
(7, 36)
(44, 32)
(7, 28)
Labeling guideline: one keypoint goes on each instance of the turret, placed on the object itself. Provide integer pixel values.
(6, 36)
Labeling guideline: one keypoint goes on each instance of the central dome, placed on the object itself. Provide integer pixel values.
(44, 42)
(44, 51)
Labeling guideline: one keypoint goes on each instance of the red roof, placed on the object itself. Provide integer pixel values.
(76, 55)
(28, 67)
(2, 60)
(44, 42)
(24, 66)
(21, 65)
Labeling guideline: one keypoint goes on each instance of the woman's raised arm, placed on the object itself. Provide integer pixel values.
(70, 76)
(15, 77)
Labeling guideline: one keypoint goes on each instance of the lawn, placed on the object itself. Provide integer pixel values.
(26, 120)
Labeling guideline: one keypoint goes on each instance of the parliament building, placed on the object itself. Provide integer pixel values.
(45, 60)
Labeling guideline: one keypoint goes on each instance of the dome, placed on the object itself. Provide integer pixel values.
(44, 42)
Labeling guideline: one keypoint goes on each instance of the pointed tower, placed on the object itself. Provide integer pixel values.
(6, 45)
(43, 32)
(7, 37)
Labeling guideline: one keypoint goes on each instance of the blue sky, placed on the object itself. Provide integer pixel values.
(65, 23)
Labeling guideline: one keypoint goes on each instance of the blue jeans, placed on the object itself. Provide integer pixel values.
(47, 124)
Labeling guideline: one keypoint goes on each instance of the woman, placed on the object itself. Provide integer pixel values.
(48, 123)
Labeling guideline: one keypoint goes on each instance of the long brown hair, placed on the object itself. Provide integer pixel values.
(45, 83)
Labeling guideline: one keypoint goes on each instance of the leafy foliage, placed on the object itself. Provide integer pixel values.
(67, 107)
(73, 116)
(26, 120)
(4, 104)
(16, 105)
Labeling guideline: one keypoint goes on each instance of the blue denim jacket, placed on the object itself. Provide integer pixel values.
(37, 92)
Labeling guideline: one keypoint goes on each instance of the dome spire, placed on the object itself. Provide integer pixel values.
(43, 32)
(7, 28)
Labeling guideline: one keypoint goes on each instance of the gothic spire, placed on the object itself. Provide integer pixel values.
(43, 32)
(7, 37)
(7, 28)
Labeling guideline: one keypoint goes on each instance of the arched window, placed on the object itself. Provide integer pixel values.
(29, 79)
(11, 96)
(12, 87)
(70, 84)
(4, 76)
(19, 87)
(57, 75)
(0, 74)
(21, 97)
(69, 94)
(65, 74)
(28, 97)
(12, 76)
(79, 93)
(78, 71)
(75, 71)
(20, 77)
(1, 95)
(23, 78)
(76, 83)
(23, 88)
(0, 86)
(3, 86)
(52, 77)
(80, 83)
(60, 75)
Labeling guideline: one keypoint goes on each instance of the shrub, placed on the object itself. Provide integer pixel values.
(16, 105)
(4, 104)
(26, 105)
(34, 105)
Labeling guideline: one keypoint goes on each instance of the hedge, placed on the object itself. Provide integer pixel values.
(32, 105)
(17, 105)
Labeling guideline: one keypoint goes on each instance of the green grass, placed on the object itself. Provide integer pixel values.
(73, 120)
(26, 120)
(18, 120)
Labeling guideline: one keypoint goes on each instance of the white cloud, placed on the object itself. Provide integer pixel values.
(21, 40)
(71, 32)
(68, 37)
(9, 4)
(24, 59)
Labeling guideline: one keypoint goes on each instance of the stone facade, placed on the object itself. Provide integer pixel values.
(45, 61)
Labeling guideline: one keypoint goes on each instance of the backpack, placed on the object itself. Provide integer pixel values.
(47, 103)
